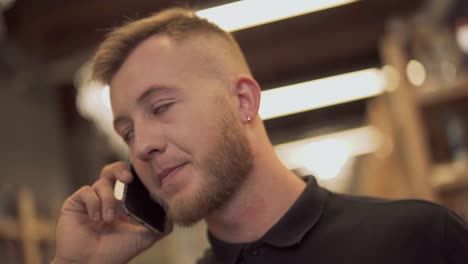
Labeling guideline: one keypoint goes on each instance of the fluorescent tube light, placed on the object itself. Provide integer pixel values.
(321, 93)
(325, 155)
(461, 34)
(249, 13)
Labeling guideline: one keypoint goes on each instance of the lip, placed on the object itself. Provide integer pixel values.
(169, 172)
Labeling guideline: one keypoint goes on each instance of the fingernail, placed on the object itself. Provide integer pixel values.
(110, 214)
(127, 174)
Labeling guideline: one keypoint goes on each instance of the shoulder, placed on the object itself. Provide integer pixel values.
(413, 208)
(207, 257)
(416, 218)
(455, 238)
(414, 229)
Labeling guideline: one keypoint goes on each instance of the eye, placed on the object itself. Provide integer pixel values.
(127, 136)
(161, 109)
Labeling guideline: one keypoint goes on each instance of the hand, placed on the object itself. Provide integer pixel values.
(92, 227)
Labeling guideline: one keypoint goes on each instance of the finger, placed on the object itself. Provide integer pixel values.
(109, 205)
(124, 175)
(85, 200)
(117, 171)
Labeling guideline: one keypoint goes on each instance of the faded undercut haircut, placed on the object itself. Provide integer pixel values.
(177, 23)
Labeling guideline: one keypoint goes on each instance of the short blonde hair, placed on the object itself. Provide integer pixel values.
(177, 23)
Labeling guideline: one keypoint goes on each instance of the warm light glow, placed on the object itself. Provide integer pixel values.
(321, 93)
(249, 13)
(416, 72)
(105, 96)
(326, 155)
(93, 98)
(6, 4)
(93, 103)
(462, 37)
(325, 158)
(392, 77)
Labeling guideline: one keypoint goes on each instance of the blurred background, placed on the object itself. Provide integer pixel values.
(370, 96)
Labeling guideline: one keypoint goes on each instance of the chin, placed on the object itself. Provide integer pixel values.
(187, 193)
(184, 208)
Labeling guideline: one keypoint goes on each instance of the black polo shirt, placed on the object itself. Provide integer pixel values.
(325, 227)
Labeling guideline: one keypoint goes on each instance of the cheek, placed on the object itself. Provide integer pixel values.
(195, 132)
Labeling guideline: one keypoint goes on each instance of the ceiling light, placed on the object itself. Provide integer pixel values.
(325, 158)
(249, 13)
(326, 155)
(93, 103)
(416, 72)
(321, 93)
(105, 96)
(461, 34)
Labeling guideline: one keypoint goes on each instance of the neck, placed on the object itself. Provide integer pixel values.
(268, 193)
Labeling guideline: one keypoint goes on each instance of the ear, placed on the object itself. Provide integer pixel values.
(248, 93)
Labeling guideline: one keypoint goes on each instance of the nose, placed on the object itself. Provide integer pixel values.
(148, 141)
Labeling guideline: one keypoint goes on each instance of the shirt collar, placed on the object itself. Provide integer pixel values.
(290, 229)
(225, 252)
(300, 218)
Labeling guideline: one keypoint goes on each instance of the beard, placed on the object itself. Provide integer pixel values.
(224, 170)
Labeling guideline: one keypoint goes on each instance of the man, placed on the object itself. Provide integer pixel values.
(186, 104)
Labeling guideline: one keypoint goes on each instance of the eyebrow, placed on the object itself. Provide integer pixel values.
(142, 98)
(150, 91)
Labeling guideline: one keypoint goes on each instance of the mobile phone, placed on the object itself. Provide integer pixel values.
(138, 204)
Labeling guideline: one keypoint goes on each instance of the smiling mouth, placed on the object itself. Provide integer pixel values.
(169, 172)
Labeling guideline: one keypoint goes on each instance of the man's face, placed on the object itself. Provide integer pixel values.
(181, 126)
